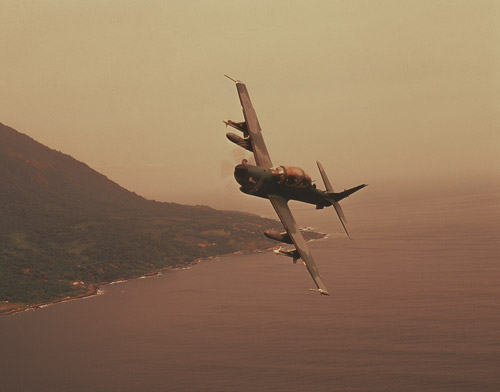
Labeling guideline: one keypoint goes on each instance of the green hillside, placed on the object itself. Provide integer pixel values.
(65, 227)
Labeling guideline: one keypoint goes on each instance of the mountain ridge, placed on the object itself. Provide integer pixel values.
(66, 227)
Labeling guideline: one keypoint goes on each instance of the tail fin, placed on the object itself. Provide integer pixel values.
(334, 198)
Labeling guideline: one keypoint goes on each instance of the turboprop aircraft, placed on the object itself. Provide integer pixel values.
(280, 184)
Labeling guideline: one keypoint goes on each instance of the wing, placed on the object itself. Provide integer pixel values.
(252, 124)
(281, 207)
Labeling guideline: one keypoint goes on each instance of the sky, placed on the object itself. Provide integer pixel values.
(381, 92)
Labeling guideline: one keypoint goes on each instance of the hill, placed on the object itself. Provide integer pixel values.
(65, 228)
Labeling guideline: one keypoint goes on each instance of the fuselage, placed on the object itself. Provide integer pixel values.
(289, 182)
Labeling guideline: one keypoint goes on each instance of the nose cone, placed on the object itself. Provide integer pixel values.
(241, 173)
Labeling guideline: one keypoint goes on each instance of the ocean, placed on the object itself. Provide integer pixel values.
(414, 306)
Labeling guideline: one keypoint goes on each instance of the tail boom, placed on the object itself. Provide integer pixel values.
(342, 195)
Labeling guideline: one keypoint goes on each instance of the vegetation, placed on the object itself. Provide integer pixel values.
(65, 228)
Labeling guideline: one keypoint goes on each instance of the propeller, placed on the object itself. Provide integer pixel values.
(226, 171)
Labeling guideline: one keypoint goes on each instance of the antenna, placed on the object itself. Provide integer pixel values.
(235, 81)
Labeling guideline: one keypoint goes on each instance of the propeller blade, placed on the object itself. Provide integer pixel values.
(226, 170)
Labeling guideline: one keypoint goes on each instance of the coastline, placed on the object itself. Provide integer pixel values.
(95, 288)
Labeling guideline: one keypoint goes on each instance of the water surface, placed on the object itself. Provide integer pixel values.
(414, 307)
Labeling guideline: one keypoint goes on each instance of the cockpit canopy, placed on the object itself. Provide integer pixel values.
(291, 176)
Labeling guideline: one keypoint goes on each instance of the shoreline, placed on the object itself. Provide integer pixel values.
(94, 288)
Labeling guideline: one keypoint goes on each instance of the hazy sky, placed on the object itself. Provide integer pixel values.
(378, 91)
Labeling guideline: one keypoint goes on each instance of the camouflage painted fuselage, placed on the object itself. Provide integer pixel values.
(261, 182)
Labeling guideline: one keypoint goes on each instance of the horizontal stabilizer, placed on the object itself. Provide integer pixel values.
(334, 197)
(340, 213)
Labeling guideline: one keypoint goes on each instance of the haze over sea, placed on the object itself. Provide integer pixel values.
(414, 306)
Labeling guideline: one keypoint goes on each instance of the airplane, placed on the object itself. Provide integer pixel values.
(280, 184)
